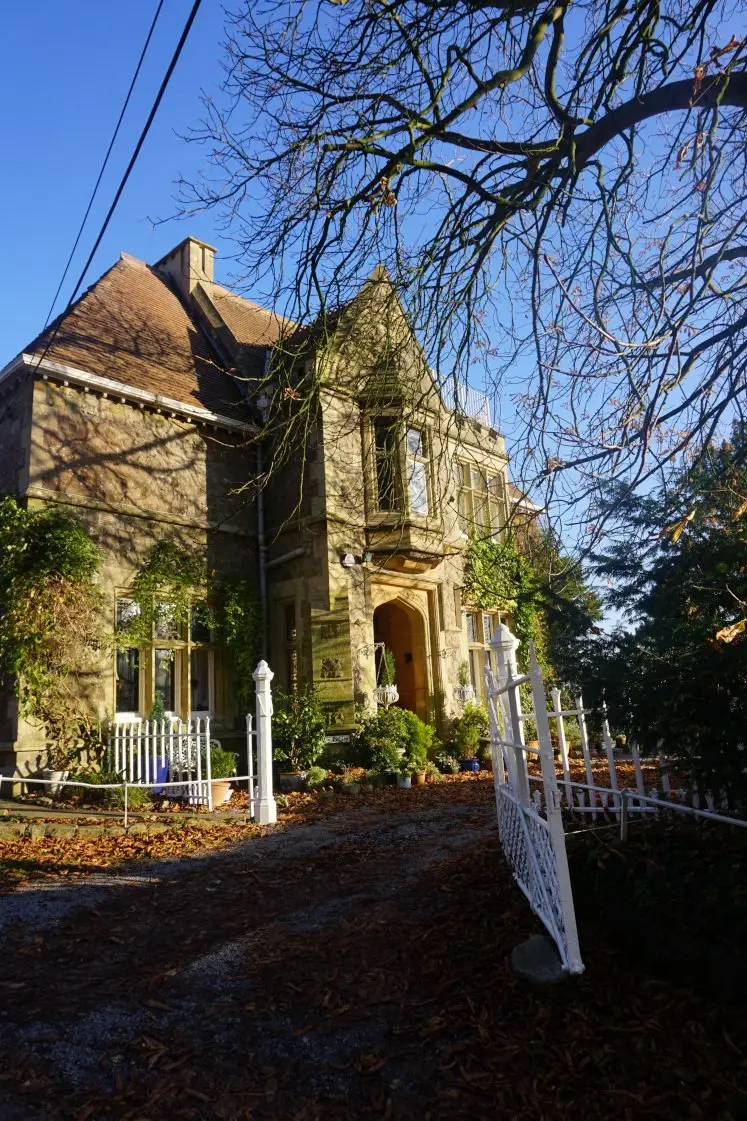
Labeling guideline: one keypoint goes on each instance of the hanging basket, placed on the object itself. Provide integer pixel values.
(464, 693)
(387, 695)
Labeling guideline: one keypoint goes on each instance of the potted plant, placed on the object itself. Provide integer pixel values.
(387, 692)
(382, 741)
(158, 772)
(222, 768)
(447, 762)
(471, 727)
(464, 690)
(56, 771)
(299, 734)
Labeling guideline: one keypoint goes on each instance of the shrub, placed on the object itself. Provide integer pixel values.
(394, 740)
(316, 777)
(383, 740)
(222, 763)
(448, 764)
(51, 621)
(432, 772)
(138, 797)
(420, 741)
(470, 728)
(299, 730)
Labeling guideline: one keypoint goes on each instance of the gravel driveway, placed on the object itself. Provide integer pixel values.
(351, 968)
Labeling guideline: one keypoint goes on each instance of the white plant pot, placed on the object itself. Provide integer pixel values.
(56, 781)
(464, 693)
(387, 695)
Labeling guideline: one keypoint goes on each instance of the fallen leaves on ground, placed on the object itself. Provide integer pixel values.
(25, 859)
(344, 982)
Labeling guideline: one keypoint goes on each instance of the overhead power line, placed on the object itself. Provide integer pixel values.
(131, 164)
(97, 184)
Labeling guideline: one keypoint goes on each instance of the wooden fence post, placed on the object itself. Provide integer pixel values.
(267, 811)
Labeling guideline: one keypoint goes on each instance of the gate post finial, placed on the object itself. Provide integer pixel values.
(267, 812)
(505, 645)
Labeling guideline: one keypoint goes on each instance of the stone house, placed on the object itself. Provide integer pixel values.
(144, 410)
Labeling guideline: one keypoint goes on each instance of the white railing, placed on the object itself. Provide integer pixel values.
(531, 831)
(156, 752)
(473, 404)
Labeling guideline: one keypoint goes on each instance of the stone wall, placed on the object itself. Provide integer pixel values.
(15, 416)
(136, 477)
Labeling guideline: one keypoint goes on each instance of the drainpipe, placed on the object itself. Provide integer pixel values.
(262, 555)
(261, 541)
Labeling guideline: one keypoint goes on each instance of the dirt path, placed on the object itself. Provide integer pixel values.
(351, 968)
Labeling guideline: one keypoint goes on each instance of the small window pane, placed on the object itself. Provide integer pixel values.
(487, 628)
(415, 442)
(128, 680)
(165, 678)
(385, 436)
(199, 625)
(165, 621)
(471, 627)
(418, 488)
(199, 680)
(475, 670)
(127, 612)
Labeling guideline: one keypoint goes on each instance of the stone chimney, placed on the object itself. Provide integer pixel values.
(188, 263)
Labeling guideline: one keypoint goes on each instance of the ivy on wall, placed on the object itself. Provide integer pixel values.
(542, 591)
(51, 621)
(173, 583)
(497, 577)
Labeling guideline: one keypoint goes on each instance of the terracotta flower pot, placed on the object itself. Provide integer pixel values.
(221, 792)
(418, 777)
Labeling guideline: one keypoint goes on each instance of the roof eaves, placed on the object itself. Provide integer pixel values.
(71, 375)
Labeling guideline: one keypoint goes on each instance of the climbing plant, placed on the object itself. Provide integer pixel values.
(543, 593)
(497, 577)
(167, 584)
(173, 584)
(51, 620)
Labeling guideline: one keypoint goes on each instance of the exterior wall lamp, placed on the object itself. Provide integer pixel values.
(349, 560)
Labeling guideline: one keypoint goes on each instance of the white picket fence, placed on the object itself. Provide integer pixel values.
(173, 751)
(172, 756)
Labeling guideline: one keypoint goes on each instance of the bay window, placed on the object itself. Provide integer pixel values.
(401, 457)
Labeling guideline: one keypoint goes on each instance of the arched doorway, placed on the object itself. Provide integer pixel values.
(402, 629)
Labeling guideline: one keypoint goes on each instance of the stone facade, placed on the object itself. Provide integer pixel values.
(140, 467)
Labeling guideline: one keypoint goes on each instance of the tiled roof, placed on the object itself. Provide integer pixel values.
(132, 327)
(250, 324)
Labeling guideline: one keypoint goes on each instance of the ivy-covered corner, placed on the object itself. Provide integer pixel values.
(544, 595)
(52, 623)
(175, 578)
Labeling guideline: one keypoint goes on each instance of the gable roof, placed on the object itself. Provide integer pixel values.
(250, 324)
(130, 326)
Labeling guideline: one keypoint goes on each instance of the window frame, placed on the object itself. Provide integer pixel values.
(181, 646)
(479, 648)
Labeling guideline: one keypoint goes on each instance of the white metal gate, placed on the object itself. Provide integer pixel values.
(530, 825)
(160, 753)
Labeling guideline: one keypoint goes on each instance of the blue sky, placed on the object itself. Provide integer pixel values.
(64, 73)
